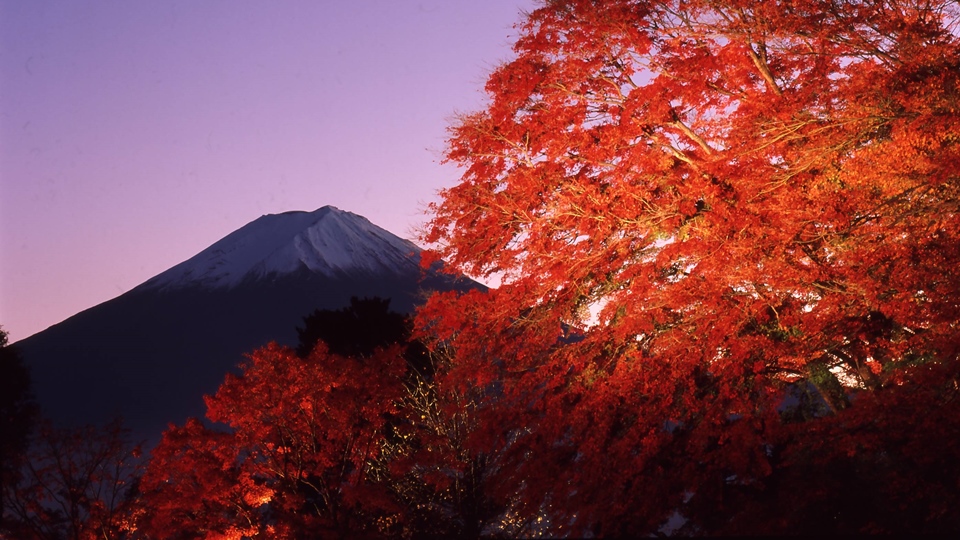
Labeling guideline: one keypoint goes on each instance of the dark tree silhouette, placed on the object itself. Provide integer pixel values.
(78, 483)
(358, 329)
(18, 413)
(362, 327)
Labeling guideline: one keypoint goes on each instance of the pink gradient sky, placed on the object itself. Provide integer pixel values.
(135, 134)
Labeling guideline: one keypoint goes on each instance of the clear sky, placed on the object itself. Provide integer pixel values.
(134, 134)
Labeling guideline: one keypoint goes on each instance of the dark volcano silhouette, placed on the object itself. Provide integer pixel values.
(150, 354)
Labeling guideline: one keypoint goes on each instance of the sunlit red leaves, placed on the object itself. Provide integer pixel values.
(194, 485)
(303, 432)
(746, 194)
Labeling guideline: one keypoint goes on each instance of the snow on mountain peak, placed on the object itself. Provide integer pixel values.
(328, 241)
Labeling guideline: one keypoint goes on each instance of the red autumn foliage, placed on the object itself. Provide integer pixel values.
(193, 487)
(724, 203)
(297, 458)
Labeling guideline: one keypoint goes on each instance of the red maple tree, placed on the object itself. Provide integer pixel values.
(703, 213)
(298, 457)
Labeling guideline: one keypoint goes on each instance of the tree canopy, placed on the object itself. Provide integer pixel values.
(699, 211)
(357, 329)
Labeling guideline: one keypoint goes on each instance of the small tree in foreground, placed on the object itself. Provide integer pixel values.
(694, 207)
(75, 483)
(18, 414)
(303, 432)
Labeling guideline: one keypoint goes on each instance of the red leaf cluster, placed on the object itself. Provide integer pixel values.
(303, 432)
(716, 224)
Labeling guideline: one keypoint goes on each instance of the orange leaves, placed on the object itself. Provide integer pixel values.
(305, 431)
(277, 384)
(754, 193)
(193, 482)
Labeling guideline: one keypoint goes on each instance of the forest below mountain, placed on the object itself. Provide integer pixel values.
(726, 237)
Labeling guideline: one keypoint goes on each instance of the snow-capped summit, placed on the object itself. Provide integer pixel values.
(327, 241)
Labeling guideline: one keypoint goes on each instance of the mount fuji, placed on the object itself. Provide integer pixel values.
(149, 355)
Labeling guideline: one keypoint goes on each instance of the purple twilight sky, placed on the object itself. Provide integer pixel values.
(135, 134)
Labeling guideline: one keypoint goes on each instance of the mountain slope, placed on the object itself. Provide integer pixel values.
(150, 354)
